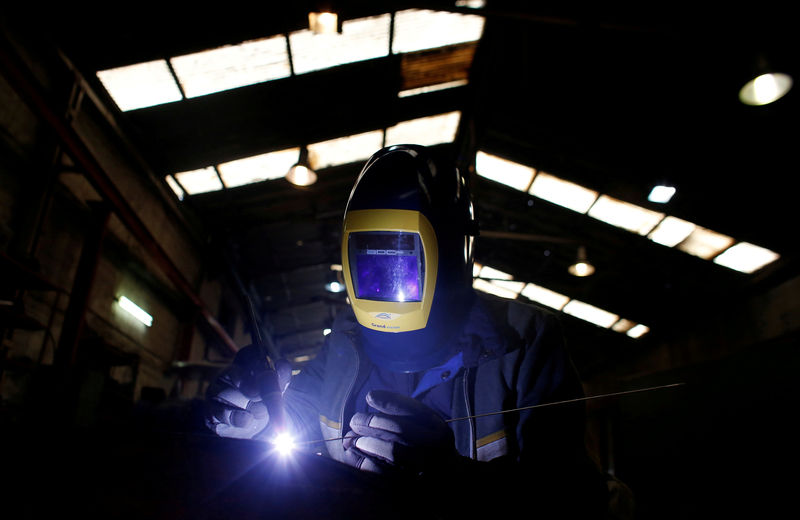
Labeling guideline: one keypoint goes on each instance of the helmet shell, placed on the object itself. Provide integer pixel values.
(407, 178)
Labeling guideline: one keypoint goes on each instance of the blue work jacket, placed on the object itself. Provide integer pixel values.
(514, 357)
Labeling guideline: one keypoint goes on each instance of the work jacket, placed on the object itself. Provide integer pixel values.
(514, 357)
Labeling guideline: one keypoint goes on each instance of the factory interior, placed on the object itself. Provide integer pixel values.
(150, 228)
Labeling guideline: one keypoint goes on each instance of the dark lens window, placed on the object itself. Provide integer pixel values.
(387, 266)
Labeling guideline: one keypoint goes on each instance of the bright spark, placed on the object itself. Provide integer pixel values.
(284, 443)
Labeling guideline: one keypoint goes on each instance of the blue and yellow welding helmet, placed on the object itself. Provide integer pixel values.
(407, 257)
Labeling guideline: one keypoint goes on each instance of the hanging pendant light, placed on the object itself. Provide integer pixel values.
(766, 85)
(581, 267)
(302, 172)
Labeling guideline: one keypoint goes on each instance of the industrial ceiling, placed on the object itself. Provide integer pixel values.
(614, 100)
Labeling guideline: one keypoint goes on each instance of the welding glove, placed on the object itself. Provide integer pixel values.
(403, 435)
(241, 400)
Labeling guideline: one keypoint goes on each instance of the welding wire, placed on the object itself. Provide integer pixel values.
(554, 403)
(541, 405)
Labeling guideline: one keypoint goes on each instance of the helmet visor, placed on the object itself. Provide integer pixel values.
(387, 265)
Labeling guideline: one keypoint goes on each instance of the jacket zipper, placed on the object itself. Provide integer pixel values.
(473, 453)
(347, 394)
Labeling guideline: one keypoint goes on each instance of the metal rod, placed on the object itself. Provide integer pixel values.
(541, 405)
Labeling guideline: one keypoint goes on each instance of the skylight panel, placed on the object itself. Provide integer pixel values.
(563, 193)
(590, 313)
(199, 181)
(623, 325)
(232, 66)
(273, 165)
(494, 287)
(344, 150)
(418, 29)
(746, 257)
(625, 215)
(174, 186)
(491, 272)
(427, 131)
(432, 88)
(504, 171)
(544, 296)
(361, 39)
(671, 231)
(140, 85)
(637, 331)
(705, 243)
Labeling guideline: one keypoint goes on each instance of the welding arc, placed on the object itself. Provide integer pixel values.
(541, 405)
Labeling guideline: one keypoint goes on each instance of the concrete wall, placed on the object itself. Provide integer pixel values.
(45, 222)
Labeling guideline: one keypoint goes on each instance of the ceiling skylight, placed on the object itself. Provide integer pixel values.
(563, 193)
(637, 331)
(705, 243)
(418, 29)
(273, 165)
(504, 171)
(427, 131)
(590, 313)
(545, 296)
(491, 273)
(496, 282)
(232, 66)
(746, 257)
(361, 39)
(174, 186)
(625, 215)
(671, 231)
(346, 150)
(141, 85)
(504, 289)
(199, 181)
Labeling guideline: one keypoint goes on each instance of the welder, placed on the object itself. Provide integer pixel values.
(418, 351)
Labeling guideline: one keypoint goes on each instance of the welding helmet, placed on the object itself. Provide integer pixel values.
(407, 257)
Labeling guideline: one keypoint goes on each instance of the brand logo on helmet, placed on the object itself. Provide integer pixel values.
(384, 316)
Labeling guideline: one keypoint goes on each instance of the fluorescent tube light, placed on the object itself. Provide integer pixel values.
(140, 85)
(427, 131)
(625, 215)
(563, 193)
(135, 311)
(746, 257)
(504, 171)
(661, 194)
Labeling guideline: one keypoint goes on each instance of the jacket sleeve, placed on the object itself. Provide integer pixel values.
(548, 471)
(301, 400)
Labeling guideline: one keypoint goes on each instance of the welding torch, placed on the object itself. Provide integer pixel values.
(269, 365)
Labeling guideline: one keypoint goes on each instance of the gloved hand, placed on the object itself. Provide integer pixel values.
(403, 435)
(241, 400)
